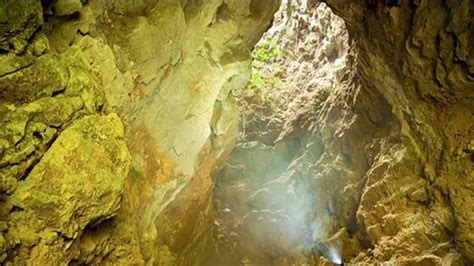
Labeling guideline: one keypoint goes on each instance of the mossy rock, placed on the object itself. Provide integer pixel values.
(44, 78)
(19, 20)
(79, 180)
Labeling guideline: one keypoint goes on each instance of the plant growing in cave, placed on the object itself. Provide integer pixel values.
(266, 51)
(264, 56)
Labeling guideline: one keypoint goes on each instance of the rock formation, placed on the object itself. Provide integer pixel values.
(76, 188)
(350, 161)
(271, 186)
(414, 80)
(118, 118)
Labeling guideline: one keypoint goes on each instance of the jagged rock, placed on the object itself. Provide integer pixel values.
(46, 75)
(374, 154)
(367, 155)
(19, 20)
(269, 188)
(19, 41)
(78, 182)
(418, 179)
(168, 68)
(35, 103)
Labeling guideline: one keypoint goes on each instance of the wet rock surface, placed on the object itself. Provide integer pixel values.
(49, 210)
(72, 74)
(116, 118)
(413, 201)
(371, 173)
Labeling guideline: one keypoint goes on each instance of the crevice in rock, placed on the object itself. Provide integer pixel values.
(264, 198)
(120, 140)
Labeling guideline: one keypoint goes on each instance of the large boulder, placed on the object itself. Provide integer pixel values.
(78, 183)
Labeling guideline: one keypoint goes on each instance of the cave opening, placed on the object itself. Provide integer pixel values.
(120, 140)
(267, 209)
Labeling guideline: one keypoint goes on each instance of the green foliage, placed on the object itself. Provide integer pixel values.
(266, 52)
(256, 81)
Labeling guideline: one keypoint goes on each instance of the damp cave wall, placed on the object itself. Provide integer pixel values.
(411, 113)
(91, 111)
(114, 115)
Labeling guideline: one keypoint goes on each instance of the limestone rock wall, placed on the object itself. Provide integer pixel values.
(369, 161)
(114, 115)
(417, 56)
(273, 195)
